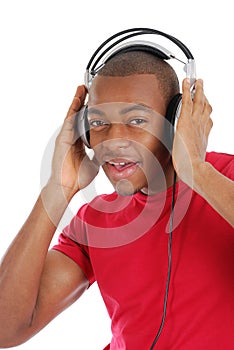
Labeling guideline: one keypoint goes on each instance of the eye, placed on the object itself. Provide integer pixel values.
(97, 123)
(137, 121)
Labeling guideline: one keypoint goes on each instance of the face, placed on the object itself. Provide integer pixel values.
(126, 118)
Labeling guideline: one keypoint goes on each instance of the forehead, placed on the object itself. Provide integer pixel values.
(137, 89)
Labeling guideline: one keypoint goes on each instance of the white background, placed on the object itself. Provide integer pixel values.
(45, 46)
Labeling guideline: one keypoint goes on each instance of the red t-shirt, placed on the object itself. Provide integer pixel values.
(122, 243)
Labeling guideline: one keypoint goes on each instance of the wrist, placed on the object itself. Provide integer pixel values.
(55, 200)
(56, 190)
(201, 174)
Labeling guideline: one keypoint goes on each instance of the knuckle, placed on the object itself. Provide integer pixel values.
(57, 140)
(209, 107)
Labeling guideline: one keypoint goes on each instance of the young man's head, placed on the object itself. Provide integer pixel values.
(127, 105)
(140, 62)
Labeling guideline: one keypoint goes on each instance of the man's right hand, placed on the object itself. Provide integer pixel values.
(72, 169)
(36, 285)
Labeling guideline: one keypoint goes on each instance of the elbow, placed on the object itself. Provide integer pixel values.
(15, 329)
(9, 342)
(6, 345)
(10, 338)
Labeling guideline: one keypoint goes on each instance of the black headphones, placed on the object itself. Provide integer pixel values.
(120, 43)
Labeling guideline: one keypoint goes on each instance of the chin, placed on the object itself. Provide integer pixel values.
(126, 188)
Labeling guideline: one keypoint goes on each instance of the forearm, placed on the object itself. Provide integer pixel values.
(216, 189)
(189, 151)
(22, 266)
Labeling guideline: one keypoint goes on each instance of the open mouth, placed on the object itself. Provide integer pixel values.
(121, 169)
(122, 165)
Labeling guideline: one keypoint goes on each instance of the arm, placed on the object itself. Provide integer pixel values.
(189, 150)
(217, 190)
(36, 285)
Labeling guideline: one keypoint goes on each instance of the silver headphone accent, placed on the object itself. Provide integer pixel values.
(120, 42)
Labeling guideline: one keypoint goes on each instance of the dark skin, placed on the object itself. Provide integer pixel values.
(125, 126)
(32, 294)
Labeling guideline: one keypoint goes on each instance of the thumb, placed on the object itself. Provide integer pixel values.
(78, 101)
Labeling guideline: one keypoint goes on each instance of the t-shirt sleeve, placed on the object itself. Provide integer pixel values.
(223, 162)
(75, 250)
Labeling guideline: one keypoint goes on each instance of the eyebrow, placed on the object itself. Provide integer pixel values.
(135, 107)
(92, 110)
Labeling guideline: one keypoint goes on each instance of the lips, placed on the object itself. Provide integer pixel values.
(121, 168)
(121, 165)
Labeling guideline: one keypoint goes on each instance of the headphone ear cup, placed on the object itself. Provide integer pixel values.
(173, 113)
(82, 125)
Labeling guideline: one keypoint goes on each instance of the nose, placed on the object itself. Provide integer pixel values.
(117, 136)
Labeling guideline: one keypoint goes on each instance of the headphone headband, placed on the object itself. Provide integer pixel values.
(120, 42)
(114, 44)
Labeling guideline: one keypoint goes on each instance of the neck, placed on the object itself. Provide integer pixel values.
(161, 185)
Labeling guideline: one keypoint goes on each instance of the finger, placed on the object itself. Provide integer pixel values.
(208, 127)
(206, 117)
(206, 111)
(187, 103)
(81, 92)
(198, 100)
(78, 101)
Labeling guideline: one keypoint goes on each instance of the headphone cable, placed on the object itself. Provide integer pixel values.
(169, 265)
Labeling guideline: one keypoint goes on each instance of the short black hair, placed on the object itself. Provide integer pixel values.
(141, 62)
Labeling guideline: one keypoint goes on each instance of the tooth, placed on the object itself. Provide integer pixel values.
(120, 163)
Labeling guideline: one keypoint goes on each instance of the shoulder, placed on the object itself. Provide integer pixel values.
(223, 162)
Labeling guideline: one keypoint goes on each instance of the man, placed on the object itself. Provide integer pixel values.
(120, 240)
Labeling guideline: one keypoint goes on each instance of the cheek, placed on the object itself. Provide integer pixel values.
(153, 145)
(94, 139)
(156, 155)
